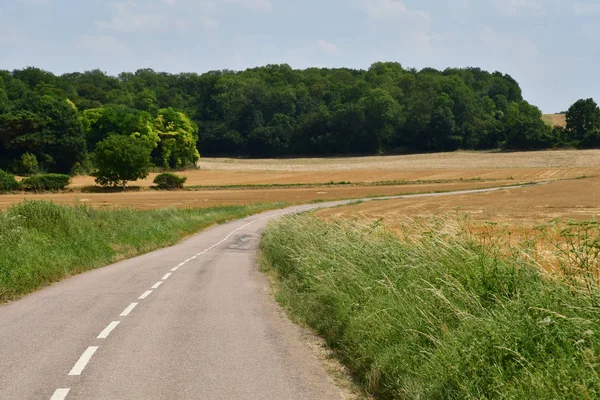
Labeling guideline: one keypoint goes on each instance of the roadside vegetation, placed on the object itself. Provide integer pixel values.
(431, 311)
(42, 243)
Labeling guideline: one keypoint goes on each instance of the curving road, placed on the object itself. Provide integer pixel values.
(193, 321)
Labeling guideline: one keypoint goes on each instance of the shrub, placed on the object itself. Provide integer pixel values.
(46, 182)
(8, 183)
(168, 181)
(28, 164)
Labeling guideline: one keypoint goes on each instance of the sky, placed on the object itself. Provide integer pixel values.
(550, 47)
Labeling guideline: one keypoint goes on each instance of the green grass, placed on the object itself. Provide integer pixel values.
(440, 316)
(42, 243)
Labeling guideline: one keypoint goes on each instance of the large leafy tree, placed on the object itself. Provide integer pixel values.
(524, 127)
(100, 123)
(49, 128)
(583, 121)
(120, 159)
(178, 137)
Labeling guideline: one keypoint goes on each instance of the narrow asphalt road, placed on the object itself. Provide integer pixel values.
(193, 321)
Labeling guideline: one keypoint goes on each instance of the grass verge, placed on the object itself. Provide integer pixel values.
(438, 315)
(42, 243)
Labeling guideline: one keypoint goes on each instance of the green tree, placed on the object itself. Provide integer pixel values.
(583, 120)
(120, 159)
(4, 102)
(28, 164)
(525, 129)
(100, 123)
(178, 137)
(146, 101)
(273, 139)
(50, 129)
(383, 115)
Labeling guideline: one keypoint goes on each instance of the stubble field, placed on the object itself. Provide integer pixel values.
(577, 199)
(221, 181)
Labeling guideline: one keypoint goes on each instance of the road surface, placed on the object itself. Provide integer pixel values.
(192, 321)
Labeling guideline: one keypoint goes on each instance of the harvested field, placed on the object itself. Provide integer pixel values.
(225, 178)
(460, 160)
(535, 218)
(369, 176)
(531, 166)
(577, 199)
(555, 119)
(150, 199)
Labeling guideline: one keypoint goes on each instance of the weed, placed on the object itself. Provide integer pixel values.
(441, 314)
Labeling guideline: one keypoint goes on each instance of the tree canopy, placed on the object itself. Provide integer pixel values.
(273, 111)
(120, 159)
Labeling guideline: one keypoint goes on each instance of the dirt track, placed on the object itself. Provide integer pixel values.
(150, 199)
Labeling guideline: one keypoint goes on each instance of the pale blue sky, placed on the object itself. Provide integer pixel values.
(550, 46)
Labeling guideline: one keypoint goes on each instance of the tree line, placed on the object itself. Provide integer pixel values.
(54, 123)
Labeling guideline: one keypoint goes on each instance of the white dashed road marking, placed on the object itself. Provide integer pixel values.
(104, 334)
(156, 285)
(83, 361)
(60, 394)
(128, 309)
(146, 294)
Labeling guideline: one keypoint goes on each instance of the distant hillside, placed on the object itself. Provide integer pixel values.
(555, 119)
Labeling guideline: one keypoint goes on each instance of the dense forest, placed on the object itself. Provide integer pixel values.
(54, 122)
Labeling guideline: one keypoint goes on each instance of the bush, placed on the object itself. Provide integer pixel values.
(8, 183)
(28, 164)
(169, 181)
(46, 182)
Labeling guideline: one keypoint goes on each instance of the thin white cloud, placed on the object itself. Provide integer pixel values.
(34, 2)
(101, 44)
(163, 16)
(586, 9)
(327, 47)
(10, 35)
(518, 7)
(127, 18)
(383, 9)
(258, 5)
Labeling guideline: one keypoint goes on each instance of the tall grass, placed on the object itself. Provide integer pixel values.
(41, 242)
(439, 315)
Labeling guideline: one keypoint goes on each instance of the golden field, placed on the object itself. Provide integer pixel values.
(308, 179)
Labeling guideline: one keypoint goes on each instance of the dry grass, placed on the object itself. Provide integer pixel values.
(446, 169)
(532, 166)
(150, 199)
(577, 199)
(461, 160)
(225, 178)
(532, 217)
(555, 119)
